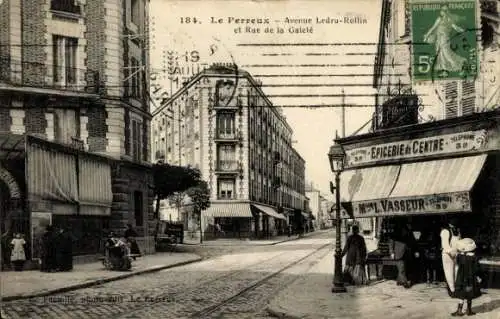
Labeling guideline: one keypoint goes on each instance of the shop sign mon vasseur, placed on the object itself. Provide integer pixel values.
(441, 203)
(435, 145)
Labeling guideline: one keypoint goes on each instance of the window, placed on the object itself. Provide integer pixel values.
(226, 189)
(65, 6)
(227, 157)
(135, 11)
(136, 134)
(138, 209)
(64, 53)
(66, 125)
(225, 125)
(460, 98)
(135, 78)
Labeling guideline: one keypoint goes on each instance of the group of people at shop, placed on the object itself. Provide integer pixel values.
(56, 251)
(422, 256)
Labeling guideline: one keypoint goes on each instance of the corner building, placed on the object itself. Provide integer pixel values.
(74, 120)
(428, 161)
(222, 123)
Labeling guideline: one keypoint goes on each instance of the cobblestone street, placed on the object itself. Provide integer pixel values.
(236, 284)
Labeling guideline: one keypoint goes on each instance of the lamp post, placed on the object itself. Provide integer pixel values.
(336, 157)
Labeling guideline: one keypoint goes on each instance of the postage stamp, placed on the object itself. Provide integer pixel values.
(444, 41)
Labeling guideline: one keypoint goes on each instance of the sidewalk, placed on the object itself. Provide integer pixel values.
(310, 297)
(33, 283)
(253, 242)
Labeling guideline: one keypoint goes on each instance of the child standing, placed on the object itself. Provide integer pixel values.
(467, 280)
(18, 256)
(431, 258)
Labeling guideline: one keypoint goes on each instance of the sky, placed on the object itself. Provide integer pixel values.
(308, 64)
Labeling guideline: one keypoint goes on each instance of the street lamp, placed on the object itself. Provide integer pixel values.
(336, 156)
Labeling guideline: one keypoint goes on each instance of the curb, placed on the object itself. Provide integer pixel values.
(98, 281)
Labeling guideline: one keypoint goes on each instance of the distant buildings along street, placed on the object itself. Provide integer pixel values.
(223, 124)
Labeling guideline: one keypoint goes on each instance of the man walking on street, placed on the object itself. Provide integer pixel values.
(399, 251)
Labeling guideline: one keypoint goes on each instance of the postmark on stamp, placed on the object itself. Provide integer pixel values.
(444, 41)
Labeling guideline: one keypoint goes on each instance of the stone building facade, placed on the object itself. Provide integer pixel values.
(74, 74)
(223, 124)
(438, 100)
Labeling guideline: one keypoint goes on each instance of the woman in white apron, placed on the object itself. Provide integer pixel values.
(450, 236)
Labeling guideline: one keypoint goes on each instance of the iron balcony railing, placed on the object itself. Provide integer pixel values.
(233, 136)
(227, 165)
(65, 6)
(42, 75)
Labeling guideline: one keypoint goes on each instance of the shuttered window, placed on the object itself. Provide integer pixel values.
(451, 99)
(460, 98)
(468, 98)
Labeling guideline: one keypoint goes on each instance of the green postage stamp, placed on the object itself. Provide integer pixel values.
(444, 40)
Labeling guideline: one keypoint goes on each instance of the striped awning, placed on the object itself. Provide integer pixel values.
(51, 175)
(228, 210)
(95, 193)
(269, 211)
(440, 186)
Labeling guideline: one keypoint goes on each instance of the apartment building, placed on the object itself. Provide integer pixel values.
(435, 100)
(74, 108)
(222, 123)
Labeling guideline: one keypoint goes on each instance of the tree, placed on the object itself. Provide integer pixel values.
(200, 196)
(171, 179)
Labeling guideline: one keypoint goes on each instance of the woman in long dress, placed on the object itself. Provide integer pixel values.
(450, 236)
(467, 283)
(440, 35)
(355, 249)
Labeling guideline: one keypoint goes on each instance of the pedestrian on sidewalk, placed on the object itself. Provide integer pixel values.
(18, 256)
(399, 251)
(130, 235)
(64, 250)
(431, 257)
(450, 235)
(468, 280)
(355, 252)
(48, 252)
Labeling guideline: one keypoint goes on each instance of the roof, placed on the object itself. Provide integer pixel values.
(224, 70)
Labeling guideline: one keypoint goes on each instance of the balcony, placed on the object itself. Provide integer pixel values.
(228, 137)
(67, 6)
(40, 75)
(229, 167)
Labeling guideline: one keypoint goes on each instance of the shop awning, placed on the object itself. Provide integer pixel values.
(51, 175)
(94, 180)
(441, 186)
(269, 211)
(368, 183)
(228, 210)
(12, 146)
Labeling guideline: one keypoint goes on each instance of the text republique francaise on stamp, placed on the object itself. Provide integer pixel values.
(444, 40)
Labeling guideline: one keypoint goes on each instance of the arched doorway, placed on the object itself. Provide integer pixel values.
(12, 217)
(5, 223)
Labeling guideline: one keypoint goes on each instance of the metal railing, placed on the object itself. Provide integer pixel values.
(227, 165)
(65, 6)
(41, 75)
